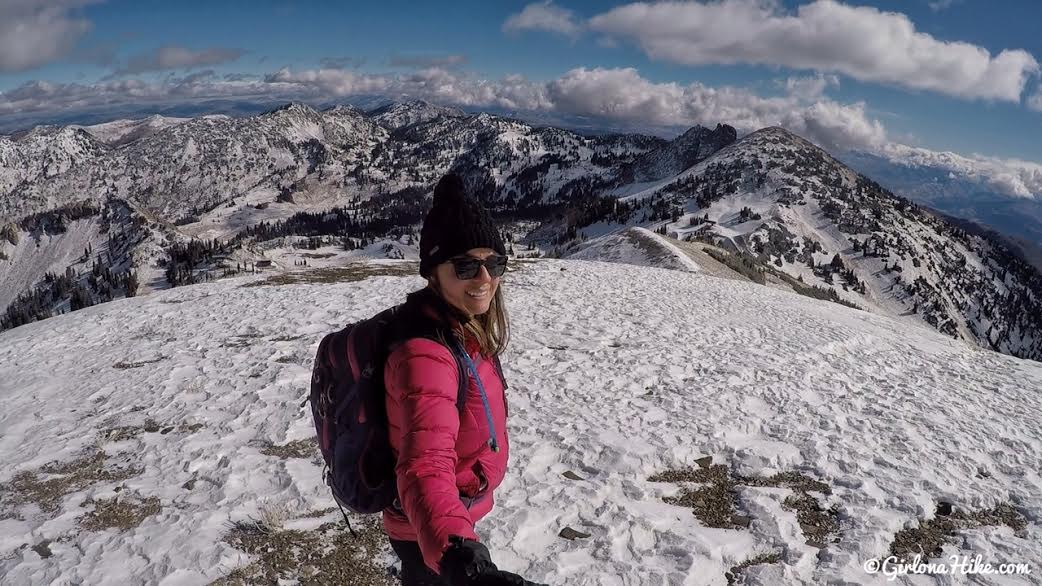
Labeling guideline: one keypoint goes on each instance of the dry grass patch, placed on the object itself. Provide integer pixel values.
(121, 365)
(302, 448)
(182, 428)
(326, 555)
(241, 340)
(345, 274)
(121, 512)
(932, 534)
(715, 502)
(734, 575)
(126, 432)
(819, 526)
(317, 513)
(791, 480)
(47, 487)
(121, 433)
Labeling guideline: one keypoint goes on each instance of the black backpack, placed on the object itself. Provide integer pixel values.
(347, 403)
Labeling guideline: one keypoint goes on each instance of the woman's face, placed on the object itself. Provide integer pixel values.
(472, 296)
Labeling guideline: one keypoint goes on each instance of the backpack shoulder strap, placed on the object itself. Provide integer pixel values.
(499, 369)
(461, 393)
(404, 325)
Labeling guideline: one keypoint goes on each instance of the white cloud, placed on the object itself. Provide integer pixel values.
(1034, 101)
(433, 83)
(811, 87)
(939, 5)
(331, 82)
(172, 57)
(1012, 177)
(622, 94)
(836, 126)
(862, 42)
(34, 33)
(47, 98)
(543, 16)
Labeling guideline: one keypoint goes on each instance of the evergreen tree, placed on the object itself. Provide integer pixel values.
(131, 284)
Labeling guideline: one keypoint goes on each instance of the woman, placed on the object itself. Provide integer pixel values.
(450, 459)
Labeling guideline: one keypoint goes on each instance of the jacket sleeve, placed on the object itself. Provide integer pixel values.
(423, 377)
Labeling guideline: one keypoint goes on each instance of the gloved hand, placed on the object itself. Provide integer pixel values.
(468, 563)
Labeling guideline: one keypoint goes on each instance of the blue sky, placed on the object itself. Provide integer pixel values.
(859, 75)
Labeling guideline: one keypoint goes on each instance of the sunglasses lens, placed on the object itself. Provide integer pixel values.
(496, 265)
(468, 268)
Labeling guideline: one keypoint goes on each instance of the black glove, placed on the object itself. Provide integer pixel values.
(468, 563)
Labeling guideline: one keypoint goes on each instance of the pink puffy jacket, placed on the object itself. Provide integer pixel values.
(446, 469)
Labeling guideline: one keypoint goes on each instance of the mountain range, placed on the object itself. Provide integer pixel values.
(91, 213)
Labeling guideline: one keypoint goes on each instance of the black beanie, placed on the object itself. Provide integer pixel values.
(455, 224)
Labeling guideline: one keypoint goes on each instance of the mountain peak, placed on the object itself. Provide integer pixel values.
(292, 107)
(684, 151)
(780, 133)
(342, 109)
(401, 114)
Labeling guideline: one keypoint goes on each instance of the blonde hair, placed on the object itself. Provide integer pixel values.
(491, 329)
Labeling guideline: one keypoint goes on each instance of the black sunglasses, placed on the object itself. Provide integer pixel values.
(468, 267)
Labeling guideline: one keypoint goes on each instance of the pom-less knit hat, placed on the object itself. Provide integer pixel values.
(455, 224)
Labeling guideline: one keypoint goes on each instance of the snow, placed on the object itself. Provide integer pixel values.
(685, 260)
(119, 131)
(31, 259)
(616, 372)
(635, 246)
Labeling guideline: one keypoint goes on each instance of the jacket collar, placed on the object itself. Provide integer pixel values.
(429, 302)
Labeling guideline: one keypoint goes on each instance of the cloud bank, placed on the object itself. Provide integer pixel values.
(859, 41)
(544, 16)
(35, 33)
(173, 57)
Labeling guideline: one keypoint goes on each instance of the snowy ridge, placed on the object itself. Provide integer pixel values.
(182, 169)
(188, 168)
(681, 153)
(636, 246)
(401, 114)
(31, 258)
(616, 373)
(120, 132)
(686, 261)
(42, 153)
(774, 195)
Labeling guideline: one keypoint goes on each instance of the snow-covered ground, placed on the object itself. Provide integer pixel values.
(635, 246)
(29, 260)
(616, 373)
